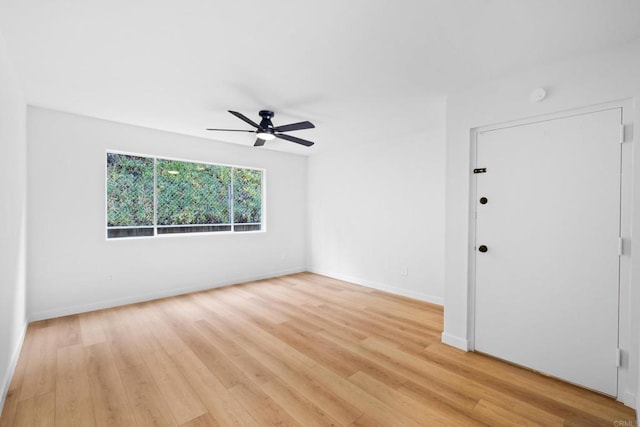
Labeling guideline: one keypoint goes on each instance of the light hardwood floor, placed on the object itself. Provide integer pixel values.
(296, 350)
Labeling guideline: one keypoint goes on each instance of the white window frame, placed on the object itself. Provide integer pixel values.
(263, 208)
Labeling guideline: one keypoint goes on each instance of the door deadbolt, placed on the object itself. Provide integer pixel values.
(483, 200)
(483, 248)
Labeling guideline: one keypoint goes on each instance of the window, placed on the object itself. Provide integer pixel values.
(151, 196)
(193, 197)
(129, 195)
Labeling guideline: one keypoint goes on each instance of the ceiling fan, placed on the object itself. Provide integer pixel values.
(266, 131)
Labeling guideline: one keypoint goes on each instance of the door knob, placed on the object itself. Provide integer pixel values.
(483, 248)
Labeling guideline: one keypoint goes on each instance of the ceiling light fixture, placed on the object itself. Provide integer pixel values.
(266, 136)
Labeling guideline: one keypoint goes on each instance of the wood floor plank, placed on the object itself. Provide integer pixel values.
(147, 403)
(366, 421)
(212, 356)
(328, 283)
(359, 398)
(253, 306)
(183, 310)
(182, 401)
(123, 345)
(206, 420)
(429, 326)
(376, 327)
(286, 312)
(163, 330)
(215, 396)
(424, 415)
(368, 365)
(316, 348)
(301, 349)
(37, 411)
(277, 358)
(141, 336)
(68, 328)
(73, 397)
(110, 401)
(278, 288)
(498, 416)
(526, 382)
(40, 370)
(337, 408)
(477, 390)
(243, 329)
(336, 326)
(7, 418)
(92, 328)
(300, 408)
(250, 366)
(431, 392)
(265, 411)
(441, 396)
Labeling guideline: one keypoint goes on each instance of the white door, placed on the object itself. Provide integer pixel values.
(546, 291)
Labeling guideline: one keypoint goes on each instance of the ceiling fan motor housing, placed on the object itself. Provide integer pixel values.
(266, 124)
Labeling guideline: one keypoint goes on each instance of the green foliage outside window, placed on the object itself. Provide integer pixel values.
(189, 197)
(129, 190)
(193, 193)
(247, 196)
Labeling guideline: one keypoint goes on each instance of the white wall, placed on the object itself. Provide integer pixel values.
(73, 268)
(376, 206)
(597, 78)
(13, 197)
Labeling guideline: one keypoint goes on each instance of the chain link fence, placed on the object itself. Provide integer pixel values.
(188, 197)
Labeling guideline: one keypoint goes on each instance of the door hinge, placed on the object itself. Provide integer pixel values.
(621, 134)
(480, 170)
(618, 358)
(620, 246)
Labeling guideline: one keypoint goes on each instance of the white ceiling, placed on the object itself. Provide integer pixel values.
(356, 68)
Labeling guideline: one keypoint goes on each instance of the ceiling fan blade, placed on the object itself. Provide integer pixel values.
(259, 142)
(294, 139)
(294, 126)
(235, 130)
(244, 118)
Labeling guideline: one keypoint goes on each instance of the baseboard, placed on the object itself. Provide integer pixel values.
(628, 399)
(381, 287)
(99, 305)
(454, 341)
(6, 382)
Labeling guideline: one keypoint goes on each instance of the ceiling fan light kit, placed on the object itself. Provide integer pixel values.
(266, 136)
(265, 131)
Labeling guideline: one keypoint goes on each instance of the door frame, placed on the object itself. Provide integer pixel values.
(626, 200)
